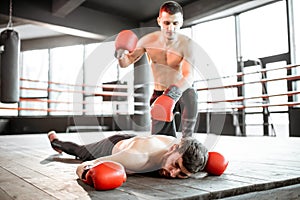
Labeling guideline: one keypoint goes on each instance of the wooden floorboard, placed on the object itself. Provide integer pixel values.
(259, 166)
(289, 192)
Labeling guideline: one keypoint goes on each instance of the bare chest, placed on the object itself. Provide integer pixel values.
(166, 57)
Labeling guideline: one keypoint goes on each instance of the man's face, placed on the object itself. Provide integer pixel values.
(170, 24)
(172, 166)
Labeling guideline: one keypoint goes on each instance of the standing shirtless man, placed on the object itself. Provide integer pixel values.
(172, 58)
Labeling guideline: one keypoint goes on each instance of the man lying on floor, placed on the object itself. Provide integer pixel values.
(171, 157)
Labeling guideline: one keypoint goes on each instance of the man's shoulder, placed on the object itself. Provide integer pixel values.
(184, 39)
(153, 34)
(150, 36)
(165, 138)
(153, 136)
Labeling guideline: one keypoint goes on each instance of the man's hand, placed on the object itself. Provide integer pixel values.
(216, 164)
(162, 107)
(125, 42)
(105, 175)
(81, 167)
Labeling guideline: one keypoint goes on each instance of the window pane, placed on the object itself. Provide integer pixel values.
(296, 6)
(253, 88)
(254, 125)
(105, 70)
(277, 87)
(93, 104)
(66, 78)
(264, 31)
(280, 122)
(186, 31)
(217, 38)
(34, 76)
(8, 109)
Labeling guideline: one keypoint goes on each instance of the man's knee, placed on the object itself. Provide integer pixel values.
(190, 104)
(190, 95)
(163, 128)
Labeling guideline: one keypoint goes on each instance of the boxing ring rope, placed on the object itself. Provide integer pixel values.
(122, 94)
(111, 86)
(243, 83)
(238, 106)
(115, 91)
(240, 74)
(240, 83)
(91, 91)
(292, 93)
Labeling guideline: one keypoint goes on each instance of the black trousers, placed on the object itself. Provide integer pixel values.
(90, 151)
(187, 106)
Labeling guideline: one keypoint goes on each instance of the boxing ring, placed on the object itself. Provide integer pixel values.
(121, 98)
(259, 168)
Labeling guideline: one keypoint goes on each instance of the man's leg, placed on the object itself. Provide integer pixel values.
(91, 151)
(189, 110)
(161, 127)
(69, 147)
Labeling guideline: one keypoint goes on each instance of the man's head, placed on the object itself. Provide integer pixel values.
(170, 7)
(184, 159)
(194, 154)
(170, 19)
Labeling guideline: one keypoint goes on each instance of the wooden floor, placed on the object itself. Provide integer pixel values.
(259, 168)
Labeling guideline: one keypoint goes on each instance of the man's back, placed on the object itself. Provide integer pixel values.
(145, 144)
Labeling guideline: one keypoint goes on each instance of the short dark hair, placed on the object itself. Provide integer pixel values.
(171, 7)
(194, 154)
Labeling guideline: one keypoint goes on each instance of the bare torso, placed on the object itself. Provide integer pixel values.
(138, 154)
(165, 58)
(152, 147)
(145, 144)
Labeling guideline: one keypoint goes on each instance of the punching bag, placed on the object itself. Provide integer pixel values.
(10, 43)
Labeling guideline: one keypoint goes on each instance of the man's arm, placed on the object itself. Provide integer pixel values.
(187, 66)
(162, 108)
(130, 58)
(187, 76)
(132, 161)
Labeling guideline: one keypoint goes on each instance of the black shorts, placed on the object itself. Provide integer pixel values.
(91, 151)
(105, 146)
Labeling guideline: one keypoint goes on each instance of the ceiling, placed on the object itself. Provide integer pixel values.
(136, 10)
(99, 19)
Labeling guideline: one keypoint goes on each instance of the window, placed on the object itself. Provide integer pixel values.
(217, 38)
(186, 31)
(100, 68)
(66, 78)
(296, 12)
(264, 31)
(34, 82)
(278, 86)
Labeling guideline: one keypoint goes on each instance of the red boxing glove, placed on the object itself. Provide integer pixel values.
(216, 164)
(106, 175)
(162, 107)
(126, 40)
